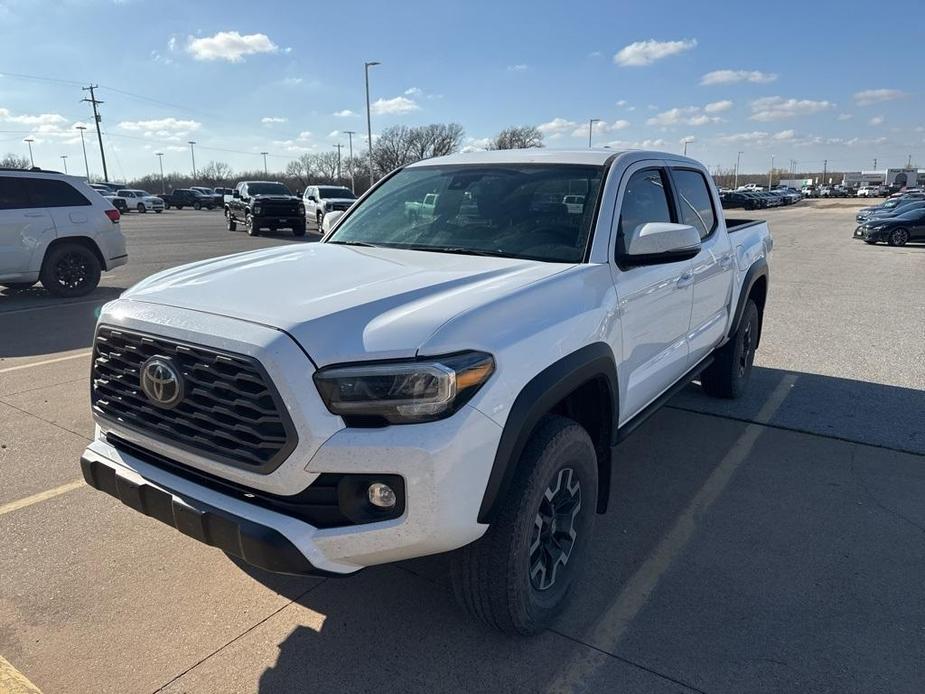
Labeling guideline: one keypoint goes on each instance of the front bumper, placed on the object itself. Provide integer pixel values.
(289, 221)
(869, 234)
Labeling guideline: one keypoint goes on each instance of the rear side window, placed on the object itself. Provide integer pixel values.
(47, 192)
(13, 194)
(644, 201)
(695, 201)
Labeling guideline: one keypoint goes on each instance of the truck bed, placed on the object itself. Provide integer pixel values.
(734, 225)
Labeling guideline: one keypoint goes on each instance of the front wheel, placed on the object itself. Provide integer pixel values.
(250, 227)
(197, 206)
(141, 208)
(70, 269)
(298, 231)
(319, 221)
(517, 577)
(898, 237)
(728, 375)
(230, 224)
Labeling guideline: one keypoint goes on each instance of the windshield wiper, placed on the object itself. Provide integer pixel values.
(365, 244)
(458, 250)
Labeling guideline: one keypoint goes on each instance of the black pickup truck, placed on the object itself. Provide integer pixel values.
(265, 205)
(186, 197)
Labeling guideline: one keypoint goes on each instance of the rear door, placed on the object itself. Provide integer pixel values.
(25, 228)
(67, 206)
(712, 267)
(655, 299)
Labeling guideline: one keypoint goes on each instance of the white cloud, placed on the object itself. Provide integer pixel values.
(42, 119)
(398, 105)
(161, 127)
(734, 76)
(344, 113)
(229, 45)
(777, 108)
(414, 91)
(600, 126)
(520, 67)
(844, 116)
(292, 81)
(641, 144)
(718, 106)
(753, 137)
(557, 127)
(877, 120)
(647, 52)
(876, 96)
(175, 148)
(334, 133)
(621, 103)
(270, 120)
(686, 115)
(477, 144)
(785, 135)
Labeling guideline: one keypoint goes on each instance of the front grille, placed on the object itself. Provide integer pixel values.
(279, 208)
(338, 206)
(229, 410)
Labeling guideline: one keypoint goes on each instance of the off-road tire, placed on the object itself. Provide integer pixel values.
(728, 375)
(69, 270)
(491, 577)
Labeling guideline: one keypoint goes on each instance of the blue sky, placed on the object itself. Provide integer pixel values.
(802, 81)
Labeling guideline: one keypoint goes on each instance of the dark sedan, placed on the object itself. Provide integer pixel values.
(896, 231)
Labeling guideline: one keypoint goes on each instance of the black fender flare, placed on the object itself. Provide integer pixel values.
(758, 270)
(535, 400)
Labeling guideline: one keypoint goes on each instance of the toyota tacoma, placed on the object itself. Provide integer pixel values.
(454, 383)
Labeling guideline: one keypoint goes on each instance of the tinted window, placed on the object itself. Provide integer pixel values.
(52, 193)
(645, 200)
(13, 194)
(695, 201)
(336, 193)
(267, 189)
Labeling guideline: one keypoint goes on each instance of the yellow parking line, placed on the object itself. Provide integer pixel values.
(36, 498)
(46, 361)
(12, 681)
(610, 627)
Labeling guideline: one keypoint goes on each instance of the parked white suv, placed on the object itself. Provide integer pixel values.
(58, 230)
(453, 383)
(140, 200)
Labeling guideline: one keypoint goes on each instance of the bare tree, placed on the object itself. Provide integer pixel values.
(14, 161)
(215, 172)
(518, 137)
(401, 145)
(325, 166)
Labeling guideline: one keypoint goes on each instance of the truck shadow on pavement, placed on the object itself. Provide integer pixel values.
(800, 572)
(34, 323)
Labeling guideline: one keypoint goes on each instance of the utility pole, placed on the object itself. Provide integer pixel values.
(350, 134)
(825, 170)
(192, 153)
(875, 163)
(83, 146)
(160, 161)
(64, 159)
(771, 173)
(369, 125)
(266, 171)
(97, 118)
(591, 122)
(736, 179)
(909, 162)
(339, 147)
(29, 142)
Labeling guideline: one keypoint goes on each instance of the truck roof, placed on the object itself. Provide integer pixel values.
(593, 157)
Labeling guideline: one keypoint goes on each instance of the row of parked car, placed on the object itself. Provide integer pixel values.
(127, 199)
(895, 221)
(759, 199)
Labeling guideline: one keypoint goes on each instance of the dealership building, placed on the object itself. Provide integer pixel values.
(894, 178)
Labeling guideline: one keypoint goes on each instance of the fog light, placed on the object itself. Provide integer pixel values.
(381, 495)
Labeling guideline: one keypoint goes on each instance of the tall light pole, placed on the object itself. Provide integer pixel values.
(736, 179)
(350, 134)
(686, 143)
(369, 122)
(266, 171)
(64, 159)
(339, 147)
(83, 146)
(771, 172)
(192, 154)
(160, 161)
(591, 122)
(29, 142)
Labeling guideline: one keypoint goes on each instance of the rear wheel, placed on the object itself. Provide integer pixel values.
(728, 375)
(70, 269)
(898, 237)
(517, 577)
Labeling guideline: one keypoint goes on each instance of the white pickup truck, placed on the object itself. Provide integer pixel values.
(455, 382)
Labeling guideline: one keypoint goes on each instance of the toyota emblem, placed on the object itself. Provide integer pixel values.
(161, 382)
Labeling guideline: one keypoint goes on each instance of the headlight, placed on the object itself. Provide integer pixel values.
(257, 209)
(301, 208)
(402, 392)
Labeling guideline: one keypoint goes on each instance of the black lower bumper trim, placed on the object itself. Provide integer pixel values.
(252, 542)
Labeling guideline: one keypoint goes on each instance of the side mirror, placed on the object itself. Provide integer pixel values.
(236, 194)
(660, 242)
(313, 198)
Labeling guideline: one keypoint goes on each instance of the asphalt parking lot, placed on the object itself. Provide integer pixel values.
(771, 544)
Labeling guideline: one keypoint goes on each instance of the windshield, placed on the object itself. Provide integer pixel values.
(267, 189)
(336, 193)
(505, 210)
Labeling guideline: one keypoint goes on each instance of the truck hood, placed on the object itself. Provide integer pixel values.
(343, 303)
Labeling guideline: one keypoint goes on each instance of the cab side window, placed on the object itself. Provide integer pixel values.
(13, 195)
(645, 200)
(695, 201)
